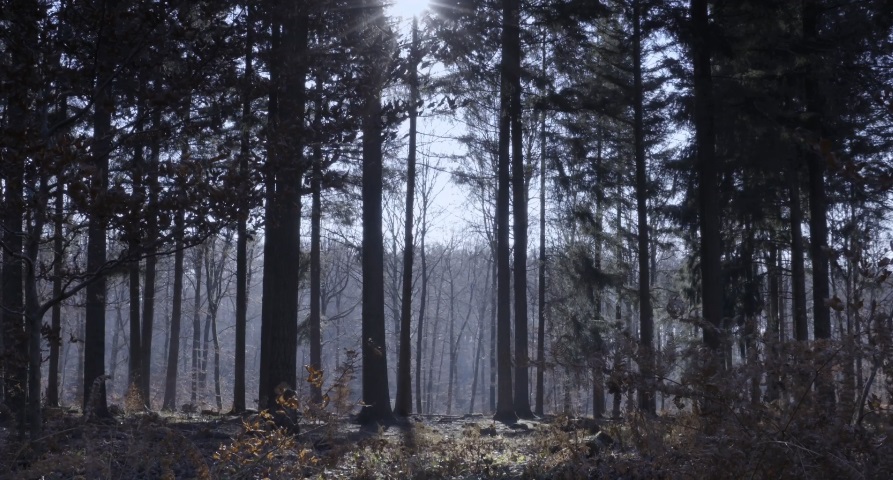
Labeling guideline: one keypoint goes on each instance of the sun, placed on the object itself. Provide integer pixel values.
(407, 8)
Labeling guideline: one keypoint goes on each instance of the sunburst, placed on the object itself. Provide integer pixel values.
(408, 8)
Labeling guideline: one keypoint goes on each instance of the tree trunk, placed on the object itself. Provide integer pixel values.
(798, 270)
(94, 401)
(376, 396)
(173, 357)
(241, 306)
(646, 315)
(403, 402)
(58, 258)
(708, 174)
(148, 320)
(196, 324)
(315, 323)
(423, 300)
(505, 407)
(285, 165)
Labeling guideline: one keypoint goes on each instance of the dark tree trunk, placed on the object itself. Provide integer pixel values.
(505, 406)
(493, 308)
(196, 325)
(173, 353)
(315, 260)
(798, 269)
(708, 174)
(646, 315)
(242, 225)
(423, 301)
(15, 343)
(279, 312)
(818, 209)
(56, 312)
(519, 210)
(148, 318)
(403, 402)
(94, 401)
(376, 396)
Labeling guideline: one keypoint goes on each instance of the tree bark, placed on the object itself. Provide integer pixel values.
(403, 402)
(239, 405)
(505, 406)
(94, 401)
(376, 398)
(646, 315)
(279, 311)
(173, 353)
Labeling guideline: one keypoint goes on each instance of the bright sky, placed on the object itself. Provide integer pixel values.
(407, 8)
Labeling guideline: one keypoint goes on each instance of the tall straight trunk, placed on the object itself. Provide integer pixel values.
(493, 308)
(56, 312)
(798, 269)
(451, 339)
(15, 128)
(315, 323)
(818, 208)
(148, 317)
(435, 325)
(196, 325)
(403, 402)
(218, 395)
(95, 402)
(772, 322)
(376, 396)
(519, 210)
(541, 284)
(116, 337)
(423, 299)
(134, 358)
(598, 370)
(285, 165)
(242, 224)
(646, 315)
(173, 357)
(708, 174)
(479, 350)
(505, 404)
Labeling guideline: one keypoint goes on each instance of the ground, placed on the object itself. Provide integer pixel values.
(150, 445)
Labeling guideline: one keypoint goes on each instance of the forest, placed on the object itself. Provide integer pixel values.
(446, 239)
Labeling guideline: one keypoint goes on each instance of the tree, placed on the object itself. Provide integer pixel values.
(283, 174)
(376, 399)
(646, 315)
(505, 407)
(403, 402)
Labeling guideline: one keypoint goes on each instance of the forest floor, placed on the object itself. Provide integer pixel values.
(211, 446)
(150, 446)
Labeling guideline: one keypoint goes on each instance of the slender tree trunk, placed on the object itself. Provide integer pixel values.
(479, 350)
(315, 251)
(646, 315)
(493, 308)
(148, 319)
(196, 324)
(505, 406)
(423, 299)
(818, 210)
(403, 402)
(239, 405)
(56, 313)
(173, 357)
(798, 270)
